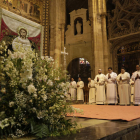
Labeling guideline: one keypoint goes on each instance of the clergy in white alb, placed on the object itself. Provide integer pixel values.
(100, 87)
(111, 90)
(124, 87)
(91, 86)
(80, 92)
(72, 89)
(136, 79)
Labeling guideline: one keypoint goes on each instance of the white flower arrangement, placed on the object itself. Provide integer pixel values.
(31, 95)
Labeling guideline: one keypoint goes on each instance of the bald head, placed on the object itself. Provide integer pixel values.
(137, 67)
(89, 79)
(99, 71)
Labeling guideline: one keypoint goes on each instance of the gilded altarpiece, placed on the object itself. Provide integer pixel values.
(34, 10)
(31, 9)
(124, 34)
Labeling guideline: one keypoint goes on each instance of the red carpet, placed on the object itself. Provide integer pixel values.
(107, 112)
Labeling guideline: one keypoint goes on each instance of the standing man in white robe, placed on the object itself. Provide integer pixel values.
(124, 87)
(136, 79)
(91, 86)
(111, 91)
(72, 89)
(100, 85)
(80, 92)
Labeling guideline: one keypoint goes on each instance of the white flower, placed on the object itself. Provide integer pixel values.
(1, 47)
(50, 83)
(42, 57)
(3, 42)
(31, 89)
(34, 109)
(3, 90)
(44, 97)
(35, 95)
(11, 104)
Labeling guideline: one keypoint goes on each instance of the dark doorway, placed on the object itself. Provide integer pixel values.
(80, 67)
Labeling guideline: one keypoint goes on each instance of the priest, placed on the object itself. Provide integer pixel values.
(123, 87)
(72, 89)
(80, 92)
(91, 86)
(100, 85)
(136, 79)
(111, 91)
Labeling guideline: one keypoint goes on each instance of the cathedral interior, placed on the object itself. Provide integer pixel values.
(96, 33)
(109, 32)
(81, 36)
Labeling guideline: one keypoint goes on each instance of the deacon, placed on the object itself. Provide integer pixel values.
(100, 85)
(136, 79)
(111, 92)
(123, 87)
(80, 92)
(72, 89)
(91, 86)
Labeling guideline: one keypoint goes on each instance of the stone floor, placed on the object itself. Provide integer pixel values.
(82, 123)
(93, 129)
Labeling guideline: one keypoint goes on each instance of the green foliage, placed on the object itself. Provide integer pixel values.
(40, 130)
(33, 97)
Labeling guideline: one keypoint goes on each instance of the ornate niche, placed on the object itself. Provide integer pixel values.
(79, 29)
(124, 19)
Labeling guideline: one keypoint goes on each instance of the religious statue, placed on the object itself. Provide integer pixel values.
(78, 27)
(21, 40)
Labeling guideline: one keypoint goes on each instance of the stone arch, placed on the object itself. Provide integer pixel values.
(83, 70)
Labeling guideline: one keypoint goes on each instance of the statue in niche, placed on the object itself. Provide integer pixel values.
(78, 27)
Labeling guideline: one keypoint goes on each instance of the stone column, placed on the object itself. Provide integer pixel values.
(93, 19)
(57, 26)
(104, 31)
(97, 35)
(105, 46)
(57, 46)
(62, 43)
(92, 42)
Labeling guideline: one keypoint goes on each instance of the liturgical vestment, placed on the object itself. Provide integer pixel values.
(100, 86)
(72, 90)
(124, 88)
(80, 92)
(91, 86)
(136, 87)
(111, 91)
(132, 90)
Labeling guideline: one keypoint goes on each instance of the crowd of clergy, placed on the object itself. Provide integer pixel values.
(110, 89)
